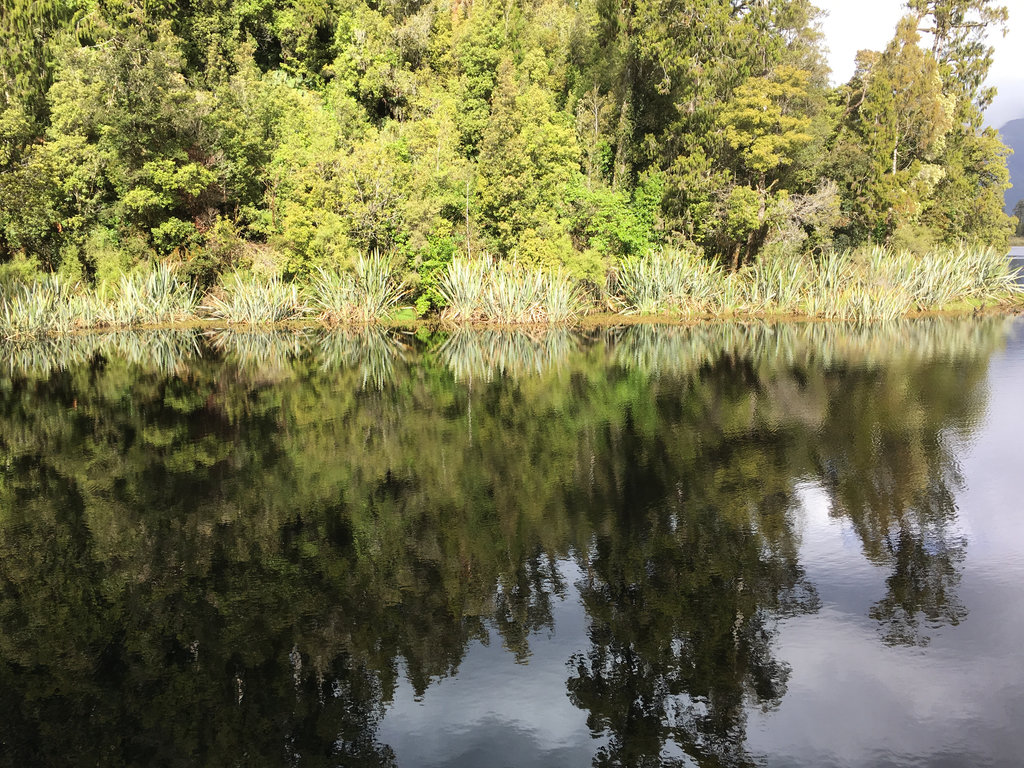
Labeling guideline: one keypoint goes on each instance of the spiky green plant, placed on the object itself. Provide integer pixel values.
(670, 281)
(255, 301)
(777, 284)
(514, 296)
(462, 286)
(332, 294)
(149, 296)
(37, 308)
(646, 285)
(562, 299)
(377, 290)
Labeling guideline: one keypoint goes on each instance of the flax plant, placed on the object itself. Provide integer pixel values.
(462, 286)
(377, 290)
(514, 296)
(508, 294)
(255, 301)
(332, 294)
(41, 307)
(147, 297)
(672, 281)
(369, 295)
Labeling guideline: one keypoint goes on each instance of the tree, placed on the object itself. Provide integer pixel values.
(528, 165)
(767, 122)
(897, 117)
(958, 29)
(967, 202)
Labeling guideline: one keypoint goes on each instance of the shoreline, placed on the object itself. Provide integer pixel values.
(597, 320)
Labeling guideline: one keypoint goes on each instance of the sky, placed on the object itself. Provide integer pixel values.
(852, 25)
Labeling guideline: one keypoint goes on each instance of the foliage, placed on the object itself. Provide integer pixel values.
(866, 285)
(370, 294)
(213, 546)
(289, 138)
(251, 300)
(148, 296)
(35, 308)
(478, 290)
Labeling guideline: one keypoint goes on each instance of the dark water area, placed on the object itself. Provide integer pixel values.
(737, 545)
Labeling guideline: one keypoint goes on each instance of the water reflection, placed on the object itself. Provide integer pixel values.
(227, 548)
(471, 354)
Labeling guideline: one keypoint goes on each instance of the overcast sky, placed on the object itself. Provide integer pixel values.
(853, 25)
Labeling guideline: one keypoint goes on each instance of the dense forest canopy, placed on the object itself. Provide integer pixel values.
(283, 136)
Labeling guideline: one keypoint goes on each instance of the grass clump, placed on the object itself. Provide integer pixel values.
(461, 288)
(476, 290)
(672, 281)
(38, 307)
(369, 295)
(252, 300)
(867, 285)
(377, 290)
(863, 285)
(150, 296)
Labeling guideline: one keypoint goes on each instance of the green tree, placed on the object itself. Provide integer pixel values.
(967, 202)
(528, 165)
(897, 117)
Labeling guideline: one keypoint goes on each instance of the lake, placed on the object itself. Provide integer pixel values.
(1017, 260)
(729, 545)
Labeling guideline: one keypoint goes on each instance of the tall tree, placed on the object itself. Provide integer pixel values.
(974, 160)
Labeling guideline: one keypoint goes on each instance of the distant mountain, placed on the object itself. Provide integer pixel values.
(1013, 137)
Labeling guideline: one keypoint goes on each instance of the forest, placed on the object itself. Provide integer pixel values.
(303, 139)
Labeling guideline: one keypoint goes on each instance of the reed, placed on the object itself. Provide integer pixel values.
(377, 290)
(369, 295)
(507, 294)
(564, 301)
(255, 301)
(673, 280)
(777, 285)
(331, 294)
(37, 308)
(866, 285)
(462, 286)
(151, 296)
(513, 296)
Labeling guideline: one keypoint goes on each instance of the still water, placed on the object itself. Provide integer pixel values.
(1017, 261)
(795, 545)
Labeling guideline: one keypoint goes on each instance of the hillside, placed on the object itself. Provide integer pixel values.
(1013, 137)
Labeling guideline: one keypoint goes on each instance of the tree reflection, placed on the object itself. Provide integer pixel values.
(686, 580)
(889, 466)
(223, 550)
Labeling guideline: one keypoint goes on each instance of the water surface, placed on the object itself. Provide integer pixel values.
(736, 545)
(1017, 261)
